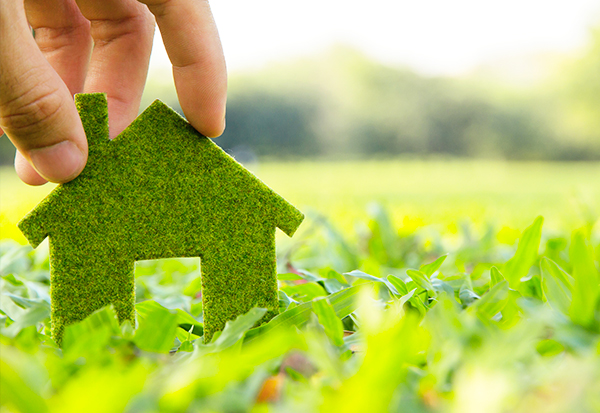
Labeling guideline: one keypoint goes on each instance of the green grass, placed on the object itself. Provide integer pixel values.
(415, 192)
(511, 193)
(414, 286)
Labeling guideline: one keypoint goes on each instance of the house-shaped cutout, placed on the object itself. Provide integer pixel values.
(158, 190)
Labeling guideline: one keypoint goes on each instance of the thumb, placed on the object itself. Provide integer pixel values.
(37, 111)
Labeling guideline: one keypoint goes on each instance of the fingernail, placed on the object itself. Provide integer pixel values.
(224, 119)
(58, 163)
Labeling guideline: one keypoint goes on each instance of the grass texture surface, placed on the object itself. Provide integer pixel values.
(158, 190)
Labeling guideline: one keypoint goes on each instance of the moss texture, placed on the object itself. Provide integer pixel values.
(158, 190)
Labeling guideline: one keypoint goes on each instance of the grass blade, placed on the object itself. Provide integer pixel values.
(399, 284)
(432, 267)
(343, 302)
(90, 335)
(30, 317)
(527, 251)
(586, 290)
(495, 276)
(422, 280)
(304, 292)
(329, 320)
(557, 286)
(157, 327)
(234, 330)
(369, 277)
(492, 302)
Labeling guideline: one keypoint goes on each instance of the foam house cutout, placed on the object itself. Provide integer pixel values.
(158, 190)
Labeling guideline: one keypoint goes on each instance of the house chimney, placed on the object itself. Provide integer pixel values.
(93, 110)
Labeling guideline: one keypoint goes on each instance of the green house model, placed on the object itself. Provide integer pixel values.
(158, 190)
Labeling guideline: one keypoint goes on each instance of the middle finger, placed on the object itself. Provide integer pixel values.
(122, 31)
(63, 36)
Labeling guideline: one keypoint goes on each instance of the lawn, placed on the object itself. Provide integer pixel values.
(412, 286)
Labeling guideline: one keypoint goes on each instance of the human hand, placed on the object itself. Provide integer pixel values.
(98, 46)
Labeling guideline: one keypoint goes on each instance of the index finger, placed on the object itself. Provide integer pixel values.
(192, 42)
(36, 108)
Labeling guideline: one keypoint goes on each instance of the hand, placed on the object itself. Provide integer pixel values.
(98, 46)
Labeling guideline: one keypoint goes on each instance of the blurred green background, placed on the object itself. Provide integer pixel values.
(340, 104)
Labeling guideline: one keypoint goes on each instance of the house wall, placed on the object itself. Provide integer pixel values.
(86, 279)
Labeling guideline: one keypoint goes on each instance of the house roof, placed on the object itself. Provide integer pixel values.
(158, 184)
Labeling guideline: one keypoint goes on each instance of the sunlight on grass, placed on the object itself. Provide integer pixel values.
(16, 200)
(416, 193)
(441, 191)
